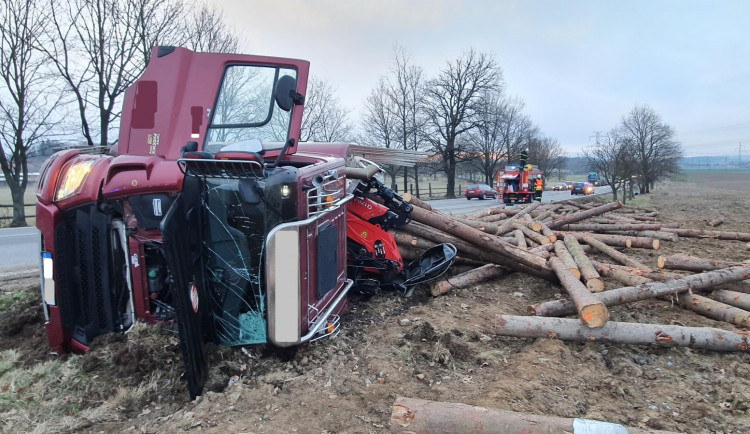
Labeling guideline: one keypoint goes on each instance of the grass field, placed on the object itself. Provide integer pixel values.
(5, 199)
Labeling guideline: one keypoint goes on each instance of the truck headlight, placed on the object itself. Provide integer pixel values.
(73, 177)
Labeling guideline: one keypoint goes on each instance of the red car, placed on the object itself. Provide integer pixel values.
(481, 191)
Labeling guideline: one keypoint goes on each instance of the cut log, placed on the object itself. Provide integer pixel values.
(506, 226)
(531, 224)
(520, 239)
(610, 240)
(597, 227)
(534, 236)
(484, 241)
(562, 252)
(410, 198)
(484, 226)
(693, 263)
(547, 232)
(612, 253)
(720, 235)
(593, 281)
(659, 235)
(417, 416)
(477, 275)
(583, 215)
(715, 222)
(714, 309)
(732, 298)
(630, 294)
(412, 240)
(592, 311)
(624, 333)
(650, 274)
(492, 218)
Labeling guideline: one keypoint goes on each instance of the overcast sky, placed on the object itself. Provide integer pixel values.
(578, 65)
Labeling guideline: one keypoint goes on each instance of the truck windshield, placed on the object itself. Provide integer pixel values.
(246, 109)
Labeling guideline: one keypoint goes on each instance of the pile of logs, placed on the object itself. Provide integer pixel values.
(555, 242)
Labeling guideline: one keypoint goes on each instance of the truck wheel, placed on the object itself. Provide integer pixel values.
(468, 198)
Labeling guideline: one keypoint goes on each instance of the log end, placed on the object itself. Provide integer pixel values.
(628, 243)
(536, 227)
(438, 289)
(661, 261)
(595, 285)
(594, 315)
(656, 244)
(575, 272)
(553, 239)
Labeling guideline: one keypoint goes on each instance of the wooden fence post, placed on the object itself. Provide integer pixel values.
(429, 187)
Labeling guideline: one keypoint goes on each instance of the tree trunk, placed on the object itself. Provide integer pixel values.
(610, 240)
(583, 215)
(562, 252)
(659, 235)
(19, 210)
(520, 239)
(612, 253)
(596, 227)
(732, 298)
(417, 416)
(593, 281)
(477, 275)
(697, 233)
(692, 263)
(630, 294)
(507, 226)
(624, 333)
(410, 198)
(534, 236)
(592, 311)
(714, 309)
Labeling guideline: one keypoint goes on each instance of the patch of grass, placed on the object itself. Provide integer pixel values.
(9, 301)
(641, 200)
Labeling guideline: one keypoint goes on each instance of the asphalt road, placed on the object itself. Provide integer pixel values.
(19, 247)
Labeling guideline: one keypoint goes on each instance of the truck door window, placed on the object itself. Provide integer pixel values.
(245, 108)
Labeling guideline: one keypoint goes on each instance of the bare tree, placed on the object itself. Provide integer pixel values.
(486, 146)
(614, 158)
(207, 31)
(324, 119)
(547, 154)
(454, 100)
(657, 152)
(516, 129)
(27, 98)
(379, 123)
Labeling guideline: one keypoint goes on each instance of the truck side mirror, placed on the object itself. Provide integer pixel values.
(286, 93)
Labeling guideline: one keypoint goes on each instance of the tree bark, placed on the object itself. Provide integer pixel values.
(692, 263)
(583, 215)
(506, 226)
(610, 240)
(624, 333)
(697, 233)
(492, 218)
(732, 298)
(412, 240)
(593, 281)
(417, 416)
(520, 239)
(630, 294)
(410, 198)
(534, 236)
(614, 254)
(486, 227)
(715, 222)
(592, 311)
(659, 235)
(598, 227)
(714, 309)
(483, 240)
(531, 224)
(477, 275)
(562, 252)
(547, 232)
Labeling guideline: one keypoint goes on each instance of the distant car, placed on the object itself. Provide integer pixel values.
(569, 184)
(480, 191)
(560, 187)
(582, 188)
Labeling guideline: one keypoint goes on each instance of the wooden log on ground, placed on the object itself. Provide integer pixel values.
(593, 281)
(693, 263)
(506, 226)
(410, 198)
(583, 215)
(645, 243)
(720, 235)
(535, 236)
(659, 235)
(484, 226)
(520, 239)
(542, 216)
(547, 232)
(732, 298)
(650, 274)
(714, 309)
(614, 254)
(592, 311)
(562, 252)
(417, 416)
(477, 275)
(662, 335)
(715, 222)
(531, 224)
(412, 240)
(493, 218)
(608, 239)
(597, 227)
(629, 294)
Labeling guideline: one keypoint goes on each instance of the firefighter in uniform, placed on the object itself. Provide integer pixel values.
(538, 187)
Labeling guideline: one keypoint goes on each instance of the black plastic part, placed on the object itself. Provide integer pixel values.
(164, 50)
(149, 209)
(285, 92)
(182, 248)
(328, 259)
(250, 191)
(433, 262)
(190, 147)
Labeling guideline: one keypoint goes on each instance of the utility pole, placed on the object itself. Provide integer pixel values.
(596, 134)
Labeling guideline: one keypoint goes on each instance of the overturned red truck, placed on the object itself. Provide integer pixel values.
(211, 214)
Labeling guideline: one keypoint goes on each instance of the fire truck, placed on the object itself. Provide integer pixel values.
(515, 183)
(211, 215)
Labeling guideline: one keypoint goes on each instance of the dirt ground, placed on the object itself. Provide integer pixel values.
(440, 349)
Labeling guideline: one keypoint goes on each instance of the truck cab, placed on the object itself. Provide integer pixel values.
(208, 214)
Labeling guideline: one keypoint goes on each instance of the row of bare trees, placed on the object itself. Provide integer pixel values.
(74, 59)
(640, 151)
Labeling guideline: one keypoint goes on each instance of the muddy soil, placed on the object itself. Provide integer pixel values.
(440, 349)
